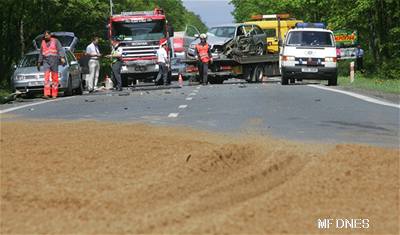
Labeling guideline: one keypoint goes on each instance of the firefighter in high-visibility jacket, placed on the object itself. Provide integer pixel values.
(51, 52)
(204, 57)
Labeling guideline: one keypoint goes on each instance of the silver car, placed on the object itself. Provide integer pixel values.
(229, 39)
(27, 78)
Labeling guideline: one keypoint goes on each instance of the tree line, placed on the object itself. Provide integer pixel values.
(377, 22)
(22, 20)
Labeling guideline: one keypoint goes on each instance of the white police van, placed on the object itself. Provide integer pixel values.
(308, 52)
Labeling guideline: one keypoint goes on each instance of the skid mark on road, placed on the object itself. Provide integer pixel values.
(358, 96)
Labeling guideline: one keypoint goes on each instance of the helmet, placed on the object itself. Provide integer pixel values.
(203, 36)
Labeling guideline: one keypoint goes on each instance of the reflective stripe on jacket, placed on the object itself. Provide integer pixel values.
(51, 50)
(203, 52)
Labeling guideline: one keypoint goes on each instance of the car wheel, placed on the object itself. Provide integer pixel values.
(292, 81)
(284, 80)
(332, 81)
(260, 49)
(79, 90)
(68, 90)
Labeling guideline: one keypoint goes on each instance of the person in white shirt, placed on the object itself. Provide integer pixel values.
(92, 78)
(162, 61)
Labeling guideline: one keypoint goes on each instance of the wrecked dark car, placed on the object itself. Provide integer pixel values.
(231, 40)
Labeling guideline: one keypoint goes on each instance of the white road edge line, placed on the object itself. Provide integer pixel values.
(173, 115)
(183, 106)
(32, 104)
(358, 96)
(189, 98)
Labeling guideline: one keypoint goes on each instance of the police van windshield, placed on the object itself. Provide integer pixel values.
(310, 38)
(129, 31)
(28, 61)
(225, 32)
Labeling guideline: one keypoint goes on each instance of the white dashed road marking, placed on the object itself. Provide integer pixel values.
(183, 106)
(173, 115)
(192, 94)
(358, 96)
(189, 98)
(32, 104)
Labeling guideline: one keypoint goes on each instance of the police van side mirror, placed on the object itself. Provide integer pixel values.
(196, 35)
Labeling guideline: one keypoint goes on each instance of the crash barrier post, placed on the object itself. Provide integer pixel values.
(352, 72)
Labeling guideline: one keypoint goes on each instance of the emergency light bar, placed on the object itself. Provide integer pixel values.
(273, 16)
(157, 11)
(310, 25)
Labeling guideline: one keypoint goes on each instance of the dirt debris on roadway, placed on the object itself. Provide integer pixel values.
(101, 177)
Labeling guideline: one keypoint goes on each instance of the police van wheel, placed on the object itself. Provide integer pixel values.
(332, 81)
(284, 80)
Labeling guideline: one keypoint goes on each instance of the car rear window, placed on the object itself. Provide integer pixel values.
(310, 38)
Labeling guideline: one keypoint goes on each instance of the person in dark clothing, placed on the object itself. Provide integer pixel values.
(84, 63)
(203, 56)
(359, 58)
(51, 52)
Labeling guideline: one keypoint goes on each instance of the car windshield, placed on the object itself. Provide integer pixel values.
(310, 38)
(28, 61)
(226, 32)
(128, 31)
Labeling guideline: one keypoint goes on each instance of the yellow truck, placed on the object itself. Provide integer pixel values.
(275, 26)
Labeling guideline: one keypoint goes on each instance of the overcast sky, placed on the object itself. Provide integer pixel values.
(212, 12)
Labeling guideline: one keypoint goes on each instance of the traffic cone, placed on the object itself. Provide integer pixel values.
(180, 80)
(108, 83)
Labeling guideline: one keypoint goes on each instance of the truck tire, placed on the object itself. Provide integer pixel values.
(68, 90)
(257, 74)
(332, 81)
(124, 80)
(284, 80)
(292, 81)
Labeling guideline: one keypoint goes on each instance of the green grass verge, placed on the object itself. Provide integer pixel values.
(5, 92)
(371, 83)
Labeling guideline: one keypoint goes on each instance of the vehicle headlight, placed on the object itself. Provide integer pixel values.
(19, 77)
(288, 58)
(330, 59)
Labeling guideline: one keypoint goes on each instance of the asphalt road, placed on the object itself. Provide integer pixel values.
(297, 112)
